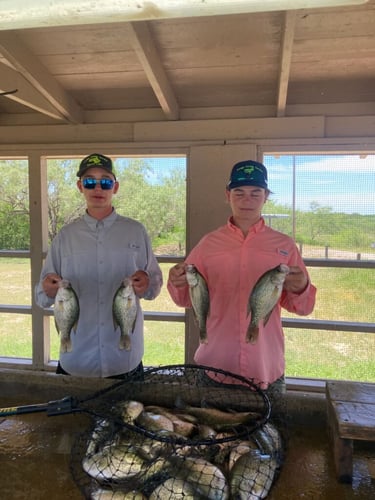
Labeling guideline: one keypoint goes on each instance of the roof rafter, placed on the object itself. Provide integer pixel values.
(29, 66)
(14, 86)
(285, 60)
(144, 47)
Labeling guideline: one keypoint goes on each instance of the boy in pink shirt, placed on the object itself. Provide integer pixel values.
(231, 259)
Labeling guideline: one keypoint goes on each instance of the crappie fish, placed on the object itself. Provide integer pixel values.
(263, 298)
(99, 437)
(125, 312)
(66, 313)
(174, 489)
(109, 494)
(268, 439)
(252, 475)
(158, 469)
(130, 410)
(206, 478)
(180, 426)
(238, 450)
(200, 299)
(217, 419)
(154, 422)
(114, 463)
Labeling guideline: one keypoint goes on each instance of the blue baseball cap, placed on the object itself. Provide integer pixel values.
(248, 173)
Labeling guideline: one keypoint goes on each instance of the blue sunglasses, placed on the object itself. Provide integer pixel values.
(90, 183)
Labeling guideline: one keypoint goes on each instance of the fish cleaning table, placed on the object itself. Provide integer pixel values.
(351, 416)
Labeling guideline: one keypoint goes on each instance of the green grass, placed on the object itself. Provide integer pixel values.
(343, 295)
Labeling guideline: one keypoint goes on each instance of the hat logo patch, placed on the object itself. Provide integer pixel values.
(95, 160)
(247, 170)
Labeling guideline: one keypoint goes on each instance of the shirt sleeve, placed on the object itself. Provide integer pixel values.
(303, 303)
(180, 295)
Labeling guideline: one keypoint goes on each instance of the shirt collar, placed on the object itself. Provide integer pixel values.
(106, 222)
(255, 228)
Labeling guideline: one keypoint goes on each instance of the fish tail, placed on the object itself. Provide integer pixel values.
(203, 336)
(65, 345)
(125, 342)
(252, 334)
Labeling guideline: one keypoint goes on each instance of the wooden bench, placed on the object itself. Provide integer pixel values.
(351, 416)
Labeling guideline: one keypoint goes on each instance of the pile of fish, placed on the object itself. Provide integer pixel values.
(126, 464)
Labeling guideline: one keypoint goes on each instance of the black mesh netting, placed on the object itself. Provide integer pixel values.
(179, 431)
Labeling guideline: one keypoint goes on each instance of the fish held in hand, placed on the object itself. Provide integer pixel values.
(200, 299)
(263, 298)
(125, 312)
(66, 313)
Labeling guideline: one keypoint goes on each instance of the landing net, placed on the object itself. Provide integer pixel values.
(178, 432)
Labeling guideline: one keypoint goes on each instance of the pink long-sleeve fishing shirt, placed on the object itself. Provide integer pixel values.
(231, 264)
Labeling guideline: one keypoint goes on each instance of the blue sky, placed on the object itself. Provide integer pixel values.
(346, 184)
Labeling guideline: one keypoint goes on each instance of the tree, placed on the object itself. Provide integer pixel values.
(65, 203)
(14, 205)
(154, 197)
(317, 224)
(156, 200)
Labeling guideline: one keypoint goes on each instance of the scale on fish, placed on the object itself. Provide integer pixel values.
(200, 299)
(263, 298)
(252, 476)
(66, 313)
(125, 312)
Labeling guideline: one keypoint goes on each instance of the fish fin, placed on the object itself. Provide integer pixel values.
(267, 317)
(133, 325)
(252, 334)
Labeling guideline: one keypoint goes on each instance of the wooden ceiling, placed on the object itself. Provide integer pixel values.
(263, 64)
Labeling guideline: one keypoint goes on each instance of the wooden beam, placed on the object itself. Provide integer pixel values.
(20, 90)
(285, 60)
(29, 66)
(144, 46)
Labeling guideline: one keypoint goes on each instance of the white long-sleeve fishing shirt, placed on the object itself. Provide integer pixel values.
(95, 256)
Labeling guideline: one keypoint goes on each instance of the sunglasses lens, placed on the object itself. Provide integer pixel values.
(90, 183)
(106, 183)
